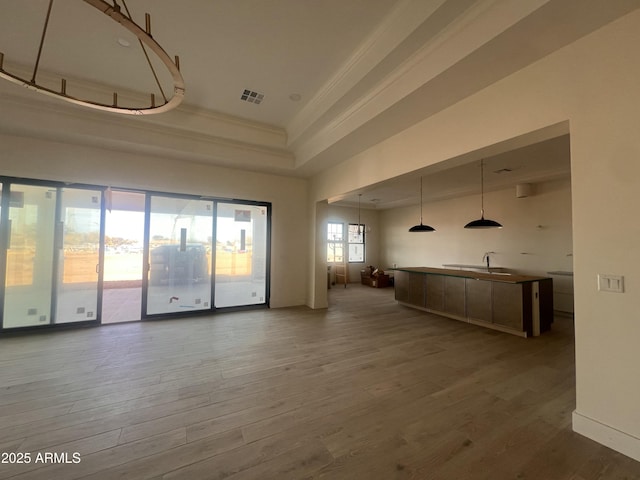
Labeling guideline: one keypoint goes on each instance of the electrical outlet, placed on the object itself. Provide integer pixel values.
(611, 283)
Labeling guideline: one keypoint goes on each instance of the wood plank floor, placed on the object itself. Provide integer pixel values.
(364, 390)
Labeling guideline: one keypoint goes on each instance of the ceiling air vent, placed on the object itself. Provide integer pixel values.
(503, 170)
(252, 97)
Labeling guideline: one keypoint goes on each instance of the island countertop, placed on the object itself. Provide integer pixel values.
(517, 304)
(494, 277)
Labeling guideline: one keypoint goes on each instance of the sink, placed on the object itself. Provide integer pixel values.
(502, 274)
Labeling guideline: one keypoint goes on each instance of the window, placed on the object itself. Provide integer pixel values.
(335, 243)
(66, 264)
(356, 243)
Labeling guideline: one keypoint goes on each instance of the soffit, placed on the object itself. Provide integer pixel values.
(365, 70)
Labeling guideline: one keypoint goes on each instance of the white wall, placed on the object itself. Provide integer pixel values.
(536, 237)
(40, 159)
(593, 85)
(369, 218)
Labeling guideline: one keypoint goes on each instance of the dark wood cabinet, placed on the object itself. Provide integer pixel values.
(478, 299)
(434, 295)
(409, 288)
(455, 296)
(517, 304)
(507, 304)
(402, 286)
(416, 290)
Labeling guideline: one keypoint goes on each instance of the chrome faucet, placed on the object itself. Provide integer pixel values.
(488, 259)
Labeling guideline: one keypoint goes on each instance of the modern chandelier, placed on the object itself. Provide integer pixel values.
(145, 40)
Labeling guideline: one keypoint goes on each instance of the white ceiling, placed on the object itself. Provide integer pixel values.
(538, 162)
(275, 47)
(364, 70)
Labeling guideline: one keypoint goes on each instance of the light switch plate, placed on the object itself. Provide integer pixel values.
(611, 283)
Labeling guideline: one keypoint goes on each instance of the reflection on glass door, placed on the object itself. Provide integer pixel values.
(180, 245)
(29, 260)
(241, 255)
(157, 251)
(123, 257)
(79, 256)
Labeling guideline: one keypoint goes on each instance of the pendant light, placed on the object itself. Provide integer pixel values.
(359, 224)
(482, 222)
(421, 227)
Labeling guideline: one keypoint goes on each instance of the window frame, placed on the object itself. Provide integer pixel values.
(362, 242)
(340, 243)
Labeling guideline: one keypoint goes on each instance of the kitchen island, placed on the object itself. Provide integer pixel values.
(517, 304)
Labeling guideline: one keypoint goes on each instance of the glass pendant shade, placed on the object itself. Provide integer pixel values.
(482, 222)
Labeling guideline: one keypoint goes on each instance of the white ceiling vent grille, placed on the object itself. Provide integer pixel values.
(252, 97)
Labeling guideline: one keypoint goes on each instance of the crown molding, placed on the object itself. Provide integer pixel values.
(398, 25)
(26, 116)
(186, 116)
(234, 127)
(478, 25)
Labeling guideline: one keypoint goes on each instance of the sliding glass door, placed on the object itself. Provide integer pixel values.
(161, 254)
(78, 255)
(123, 257)
(29, 232)
(241, 255)
(180, 245)
(51, 254)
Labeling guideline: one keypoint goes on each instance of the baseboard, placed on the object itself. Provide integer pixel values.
(615, 439)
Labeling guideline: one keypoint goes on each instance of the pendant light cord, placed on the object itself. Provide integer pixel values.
(482, 222)
(482, 188)
(422, 227)
(421, 200)
(359, 228)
